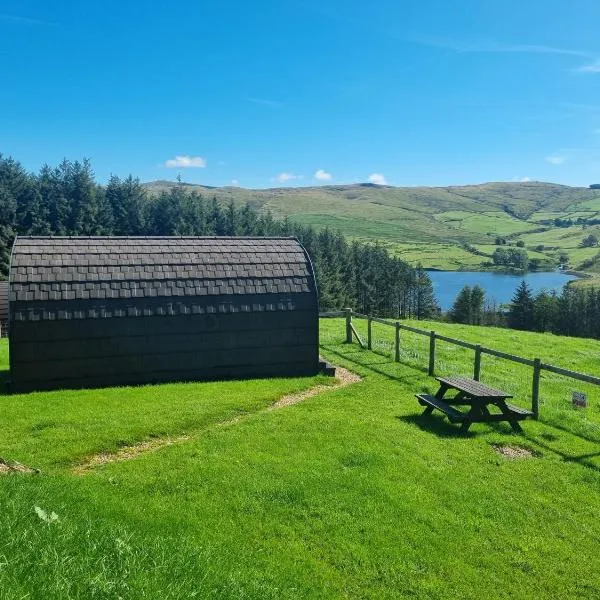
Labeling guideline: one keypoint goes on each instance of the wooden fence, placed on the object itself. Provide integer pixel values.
(537, 365)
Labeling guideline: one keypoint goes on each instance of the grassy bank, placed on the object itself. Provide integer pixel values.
(347, 494)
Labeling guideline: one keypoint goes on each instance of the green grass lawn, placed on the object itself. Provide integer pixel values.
(349, 494)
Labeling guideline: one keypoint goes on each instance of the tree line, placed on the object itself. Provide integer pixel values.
(511, 257)
(67, 200)
(573, 312)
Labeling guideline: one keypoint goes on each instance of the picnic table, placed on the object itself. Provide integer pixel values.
(476, 395)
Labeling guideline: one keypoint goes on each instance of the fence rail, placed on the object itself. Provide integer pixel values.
(537, 364)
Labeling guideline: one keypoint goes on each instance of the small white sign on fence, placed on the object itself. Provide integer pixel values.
(579, 399)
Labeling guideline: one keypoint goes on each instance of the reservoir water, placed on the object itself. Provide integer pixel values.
(499, 286)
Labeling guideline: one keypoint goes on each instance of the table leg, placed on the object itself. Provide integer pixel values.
(515, 426)
(440, 393)
(474, 412)
(513, 422)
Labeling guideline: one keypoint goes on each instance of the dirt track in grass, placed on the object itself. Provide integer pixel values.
(7, 467)
(343, 378)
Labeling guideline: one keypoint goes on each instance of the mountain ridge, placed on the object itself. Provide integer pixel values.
(448, 227)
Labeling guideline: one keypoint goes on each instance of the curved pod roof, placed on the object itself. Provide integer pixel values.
(55, 278)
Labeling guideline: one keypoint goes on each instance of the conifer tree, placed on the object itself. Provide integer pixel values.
(520, 315)
(477, 302)
(8, 211)
(545, 311)
(55, 198)
(425, 303)
(461, 311)
(232, 225)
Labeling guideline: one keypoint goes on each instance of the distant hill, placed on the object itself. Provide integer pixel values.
(432, 225)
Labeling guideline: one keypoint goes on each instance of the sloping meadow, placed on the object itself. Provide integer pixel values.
(349, 493)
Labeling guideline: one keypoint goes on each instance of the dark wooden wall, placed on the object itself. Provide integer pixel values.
(77, 353)
(115, 351)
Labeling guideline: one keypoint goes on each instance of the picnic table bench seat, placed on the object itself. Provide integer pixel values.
(432, 402)
(521, 413)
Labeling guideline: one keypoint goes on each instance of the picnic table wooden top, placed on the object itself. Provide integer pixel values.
(472, 387)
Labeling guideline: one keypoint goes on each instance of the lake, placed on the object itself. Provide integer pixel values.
(499, 286)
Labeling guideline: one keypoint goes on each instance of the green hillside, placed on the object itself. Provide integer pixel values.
(442, 227)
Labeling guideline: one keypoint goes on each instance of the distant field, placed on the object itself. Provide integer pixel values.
(355, 227)
(444, 257)
(550, 216)
(491, 223)
(591, 204)
(565, 240)
(563, 237)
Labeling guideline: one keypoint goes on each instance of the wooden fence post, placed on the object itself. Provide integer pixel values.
(397, 355)
(431, 353)
(477, 365)
(348, 312)
(369, 334)
(535, 388)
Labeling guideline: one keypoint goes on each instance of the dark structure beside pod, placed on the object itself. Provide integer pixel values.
(105, 311)
(3, 308)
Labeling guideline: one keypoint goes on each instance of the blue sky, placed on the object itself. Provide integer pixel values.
(302, 92)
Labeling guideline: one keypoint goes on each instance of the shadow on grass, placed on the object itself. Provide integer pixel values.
(371, 367)
(435, 424)
(581, 459)
(401, 362)
(440, 426)
(557, 426)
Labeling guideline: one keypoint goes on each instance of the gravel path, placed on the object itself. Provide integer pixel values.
(7, 467)
(343, 378)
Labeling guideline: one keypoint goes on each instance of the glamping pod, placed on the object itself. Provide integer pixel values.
(106, 311)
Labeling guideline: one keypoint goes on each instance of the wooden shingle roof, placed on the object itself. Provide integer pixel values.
(47, 271)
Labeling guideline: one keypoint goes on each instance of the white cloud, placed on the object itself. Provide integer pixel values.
(593, 67)
(185, 162)
(235, 183)
(522, 179)
(556, 159)
(323, 175)
(378, 179)
(285, 177)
